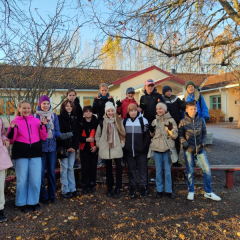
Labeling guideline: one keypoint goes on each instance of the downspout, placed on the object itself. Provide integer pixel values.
(225, 105)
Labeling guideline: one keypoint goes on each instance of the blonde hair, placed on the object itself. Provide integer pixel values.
(120, 128)
(103, 85)
(19, 106)
(196, 94)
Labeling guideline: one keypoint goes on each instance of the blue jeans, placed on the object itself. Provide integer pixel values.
(163, 162)
(28, 173)
(67, 173)
(203, 162)
(48, 163)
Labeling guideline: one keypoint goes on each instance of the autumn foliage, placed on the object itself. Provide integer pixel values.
(216, 115)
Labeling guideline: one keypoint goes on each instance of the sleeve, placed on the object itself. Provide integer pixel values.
(123, 142)
(80, 114)
(112, 100)
(98, 135)
(204, 132)
(161, 98)
(12, 134)
(119, 110)
(174, 132)
(96, 106)
(81, 138)
(153, 124)
(142, 103)
(204, 108)
(3, 131)
(146, 135)
(181, 104)
(43, 132)
(76, 136)
(56, 126)
(181, 132)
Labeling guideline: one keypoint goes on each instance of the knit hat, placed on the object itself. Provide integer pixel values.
(189, 83)
(130, 89)
(165, 89)
(162, 105)
(132, 106)
(42, 99)
(109, 105)
(149, 82)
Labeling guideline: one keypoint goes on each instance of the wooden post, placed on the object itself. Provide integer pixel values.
(229, 179)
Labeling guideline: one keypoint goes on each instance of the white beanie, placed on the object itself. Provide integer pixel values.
(109, 105)
(162, 105)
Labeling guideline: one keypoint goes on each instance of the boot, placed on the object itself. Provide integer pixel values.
(2, 216)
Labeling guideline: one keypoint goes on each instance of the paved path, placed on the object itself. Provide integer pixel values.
(227, 134)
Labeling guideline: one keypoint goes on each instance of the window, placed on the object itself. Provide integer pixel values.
(88, 101)
(6, 107)
(215, 102)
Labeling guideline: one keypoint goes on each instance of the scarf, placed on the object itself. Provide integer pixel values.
(48, 115)
(110, 131)
(104, 97)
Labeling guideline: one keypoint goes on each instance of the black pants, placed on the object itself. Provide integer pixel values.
(88, 167)
(140, 163)
(109, 173)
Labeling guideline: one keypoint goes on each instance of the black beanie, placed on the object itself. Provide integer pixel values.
(189, 83)
(165, 89)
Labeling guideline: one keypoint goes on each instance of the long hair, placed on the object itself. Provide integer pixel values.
(120, 128)
(196, 94)
(19, 106)
(64, 104)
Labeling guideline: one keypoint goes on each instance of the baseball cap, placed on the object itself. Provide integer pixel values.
(130, 89)
(149, 82)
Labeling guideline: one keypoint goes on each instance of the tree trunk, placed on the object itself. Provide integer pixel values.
(239, 106)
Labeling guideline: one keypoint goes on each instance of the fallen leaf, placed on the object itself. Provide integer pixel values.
(15, 218)
(238, 233)
(34, 217)
(45, 219)
(75, 218)
(53, 229)
(181, 236)
(214, 213)
(65, 221)
(44, 223)
(178, 225)
(71, 217)
(18, 238)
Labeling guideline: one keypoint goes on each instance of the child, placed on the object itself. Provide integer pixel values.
(25, 133)
(192, 134)
(44, 111)
(192, 94)
(110, 139)
(149, 101)
(100, 100)
(68, 122)
(122, 107)
(136, 149)
(88, 150)
(5, 163)
(161, 149)
(175, 107)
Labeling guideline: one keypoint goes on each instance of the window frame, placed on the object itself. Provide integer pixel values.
(5, 100)
(89, 98)
(217, 103)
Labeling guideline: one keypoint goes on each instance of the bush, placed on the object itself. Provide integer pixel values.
(216, 116)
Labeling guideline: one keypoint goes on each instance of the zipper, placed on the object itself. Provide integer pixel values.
(194, 136)
(133, 141)
(28, 131)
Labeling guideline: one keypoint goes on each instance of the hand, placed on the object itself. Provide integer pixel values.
(110, 96)
(6, 143)
(203, 144)
(90, 139)
(93, 149)
(65, 136)
(139, 109)
(70, 150)
(207, 119)
(119, 104)
(13, 124)
(159, 100)
(169, 126)
(152, 128)
(44, 121)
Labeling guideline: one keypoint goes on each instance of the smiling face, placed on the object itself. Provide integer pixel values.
(110, 113)
(133, 113)
(72, 96)
(25, 109)
(149, 88)
(190, 89)
(45, 106)
(87, 114)
(168, 93)
(160, 111)
(130, 95)
(103, 91)
(191, 110)
(68, 107)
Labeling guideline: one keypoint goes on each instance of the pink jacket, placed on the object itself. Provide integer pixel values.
(28, 130)
(5, 161)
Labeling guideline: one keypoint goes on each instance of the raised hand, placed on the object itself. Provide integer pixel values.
(13, 124)
(119, 104)
(152, 128)
(44, 121)
(169, 126)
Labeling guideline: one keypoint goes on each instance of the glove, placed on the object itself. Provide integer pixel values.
(207, 119)
(185, 145)
(169, 126)
(151, 128)
(65, 136)
(119, 104)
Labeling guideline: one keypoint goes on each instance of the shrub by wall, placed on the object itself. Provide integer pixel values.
(216, 116)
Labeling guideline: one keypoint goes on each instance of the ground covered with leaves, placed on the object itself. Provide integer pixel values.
(97, 217)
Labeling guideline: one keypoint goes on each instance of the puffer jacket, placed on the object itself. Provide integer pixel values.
(148, 104)
(49, 145)
(78, 110)
(101, 142)
(123, 110)
(99, 106)
(5, 160)
(26, 137)
(175, 106)
(192, 133)
(158, 141)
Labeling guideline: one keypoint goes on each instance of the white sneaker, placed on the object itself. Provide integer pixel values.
(190, 196)
(212, 196)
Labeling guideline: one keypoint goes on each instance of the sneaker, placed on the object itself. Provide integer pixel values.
(47, 201)
(212, 196)
(116, 192)
(84, 190)
(132, 192)
(102, 163)
(28, 208)
(170, 195)
(159, 194)
(53, 200)
(36, 207)
(123, 163)
(109, 192)
(196, 164)
(92, 188)
(143, 192)
(67, 195)
(2, 216)
(177, 164)
(190, 196)
(76, 164)
(75, 194)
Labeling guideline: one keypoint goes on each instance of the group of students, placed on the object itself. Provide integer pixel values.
(126, 132)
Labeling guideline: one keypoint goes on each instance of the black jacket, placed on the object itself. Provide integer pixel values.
(148, 104)
(85, 129)
(192, 133)
(175, 107)
(137, 137)
(99, 106)
(69, 123)
(78, 110)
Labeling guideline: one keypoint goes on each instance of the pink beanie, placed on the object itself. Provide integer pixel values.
(42, 99)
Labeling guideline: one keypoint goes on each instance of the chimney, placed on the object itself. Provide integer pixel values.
(173, 70)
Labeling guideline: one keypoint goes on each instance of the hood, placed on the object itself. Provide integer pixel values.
(76, 101)
(129, 100)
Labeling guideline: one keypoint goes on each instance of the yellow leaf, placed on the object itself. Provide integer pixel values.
(18, 238)
(49, 205)
(53, 229)
(181, 236)
(75, 218)
(214, 213)
(45, 219)
(44, 223)
(238, 233)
